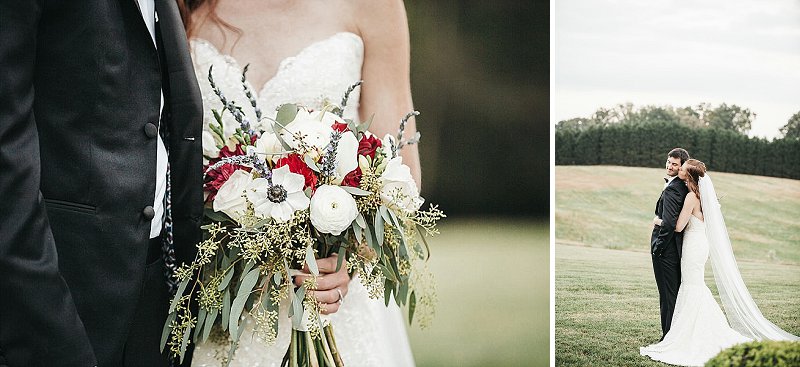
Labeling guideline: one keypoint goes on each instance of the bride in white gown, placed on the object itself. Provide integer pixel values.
(699, 329)
(312, 49)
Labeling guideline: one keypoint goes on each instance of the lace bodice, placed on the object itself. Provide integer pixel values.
(323, 69)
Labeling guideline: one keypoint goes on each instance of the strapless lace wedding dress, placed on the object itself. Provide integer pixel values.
(367, 332)
(699, 329)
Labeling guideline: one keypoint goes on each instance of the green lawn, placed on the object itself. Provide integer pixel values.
(612, 207)
(493, 287)
(606, 297)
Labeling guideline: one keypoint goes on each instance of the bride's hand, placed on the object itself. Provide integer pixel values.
(657, 221)
(331, 285)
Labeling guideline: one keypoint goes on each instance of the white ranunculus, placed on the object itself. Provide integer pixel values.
(268, 146)
(210, 141)
(313, 131)
(230, 197)
(332, 209)
(280, 200)
(346, 155)
(396, 179)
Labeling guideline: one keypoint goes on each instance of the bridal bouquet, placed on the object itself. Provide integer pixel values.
(282, 191)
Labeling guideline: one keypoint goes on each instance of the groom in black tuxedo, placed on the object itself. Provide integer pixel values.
(82, 127)
(665, 243)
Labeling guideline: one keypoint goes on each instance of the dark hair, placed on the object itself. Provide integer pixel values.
(187, 7)
(679, 153)
(694, 170)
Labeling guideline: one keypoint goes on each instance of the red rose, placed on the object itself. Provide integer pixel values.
(368, 145)
(340, 127)
(296, 165)
(353, 178)
(216, 178)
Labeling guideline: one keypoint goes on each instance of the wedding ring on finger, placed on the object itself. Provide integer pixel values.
(341, 297)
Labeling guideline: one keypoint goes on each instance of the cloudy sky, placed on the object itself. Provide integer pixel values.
(678, 53)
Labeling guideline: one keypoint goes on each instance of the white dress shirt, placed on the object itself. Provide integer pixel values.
(148, 10)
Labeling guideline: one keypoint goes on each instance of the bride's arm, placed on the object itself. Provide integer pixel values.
(688, 206)
(386, 91)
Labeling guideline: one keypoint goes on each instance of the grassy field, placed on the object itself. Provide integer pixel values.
(493, 287)
(607, 303)
(606, 298)
(612, 207)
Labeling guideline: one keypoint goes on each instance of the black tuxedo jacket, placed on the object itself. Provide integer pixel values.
(80, 86)
(668, 208)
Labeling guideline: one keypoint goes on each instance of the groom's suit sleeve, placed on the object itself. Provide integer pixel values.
(672, 204)
(39, 324)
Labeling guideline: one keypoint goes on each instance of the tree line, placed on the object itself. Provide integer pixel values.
(629, 136)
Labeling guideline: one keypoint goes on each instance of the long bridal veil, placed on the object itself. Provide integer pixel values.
(743, 314)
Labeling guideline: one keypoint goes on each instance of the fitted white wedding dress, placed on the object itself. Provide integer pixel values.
(699, 329)
(367, 332)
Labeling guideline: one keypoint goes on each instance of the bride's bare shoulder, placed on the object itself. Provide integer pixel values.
(379, 16)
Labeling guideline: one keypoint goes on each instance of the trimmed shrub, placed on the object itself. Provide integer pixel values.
(758, 354)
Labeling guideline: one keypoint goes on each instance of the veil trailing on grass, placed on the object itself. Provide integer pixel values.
(743, 314)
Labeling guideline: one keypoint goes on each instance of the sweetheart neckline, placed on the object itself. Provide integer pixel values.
(283, 63)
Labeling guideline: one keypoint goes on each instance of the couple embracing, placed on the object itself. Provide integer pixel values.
(689, 229)
(101, 162)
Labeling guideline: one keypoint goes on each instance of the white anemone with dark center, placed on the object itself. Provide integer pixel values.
(282, 198)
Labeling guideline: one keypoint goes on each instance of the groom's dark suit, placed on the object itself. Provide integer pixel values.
(80, 85)
(665, 247)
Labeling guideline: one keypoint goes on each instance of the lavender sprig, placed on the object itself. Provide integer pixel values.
(249, 93)
(252, 160)
(346, 97)
(235, 110)
(402, 142)
(328, 169)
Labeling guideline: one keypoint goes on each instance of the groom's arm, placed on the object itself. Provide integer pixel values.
(672, 204)
(39, 324)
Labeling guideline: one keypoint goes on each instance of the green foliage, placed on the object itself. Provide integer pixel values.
(646, 143)
(758, 354)
(792, 128)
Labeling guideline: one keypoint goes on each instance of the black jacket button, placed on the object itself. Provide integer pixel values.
(150, 130)
(149, 213)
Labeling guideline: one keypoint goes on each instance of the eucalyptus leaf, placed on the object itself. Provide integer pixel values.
(226, 309)
(216, 216)
(388, 289)
(185, 342)
(356, 191)
(427, 248)
(364, 126)
(384, 211)
(167, 329)
(310, 163)
(311, 261)
(412, 305)
(340, 258)
(358, 231)
(201, 319)
(361, 221)
(209, 324)
(276, 278)
(226, 280)
(393, 218)
(178, 295)
(286, 113)
(297, 307)
(379, 228)
(402, 293)
(246, 286)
